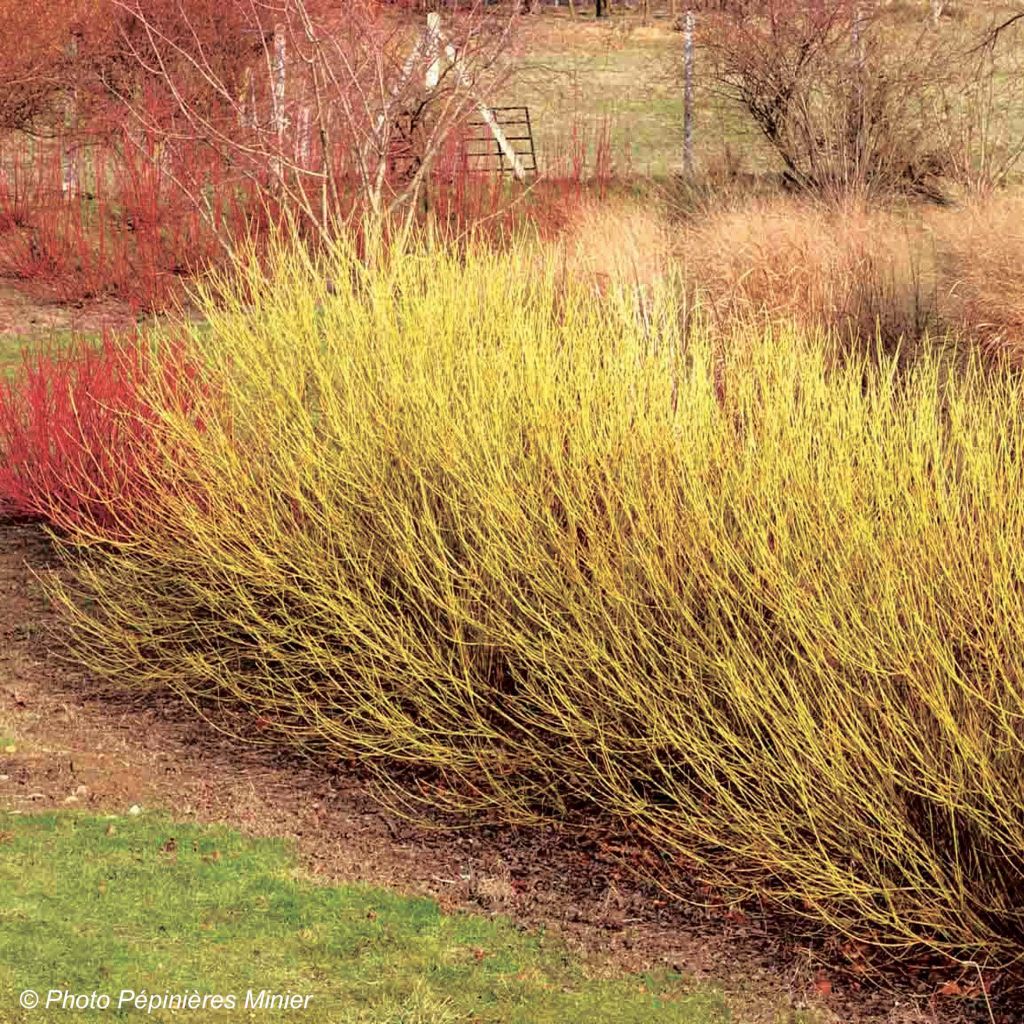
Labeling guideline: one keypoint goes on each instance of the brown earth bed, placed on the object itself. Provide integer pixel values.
(79, 748)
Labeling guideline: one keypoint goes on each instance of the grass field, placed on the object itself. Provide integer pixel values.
(574, 74)
(143, 905)
(578, 73)
(13, 347)
(10, 352)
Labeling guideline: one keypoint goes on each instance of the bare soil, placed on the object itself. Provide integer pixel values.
(23, 315)
(78, 748)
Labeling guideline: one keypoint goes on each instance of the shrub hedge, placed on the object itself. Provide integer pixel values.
(76, 427)
(752, 600)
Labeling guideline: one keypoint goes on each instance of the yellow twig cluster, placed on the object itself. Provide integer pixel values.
(758, 602)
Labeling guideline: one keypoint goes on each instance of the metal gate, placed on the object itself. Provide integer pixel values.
(484, 152)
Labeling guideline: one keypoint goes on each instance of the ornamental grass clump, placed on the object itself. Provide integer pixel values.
(754, 600)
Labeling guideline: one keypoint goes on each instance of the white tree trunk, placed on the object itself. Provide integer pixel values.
(279, 123)
(68, 152)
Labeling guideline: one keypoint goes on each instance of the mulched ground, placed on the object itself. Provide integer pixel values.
(77, 748)
(22, 315)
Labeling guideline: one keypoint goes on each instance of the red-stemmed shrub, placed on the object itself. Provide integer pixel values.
(134, 236)
(77, 432)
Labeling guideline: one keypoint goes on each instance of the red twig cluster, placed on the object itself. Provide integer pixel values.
(78, 432)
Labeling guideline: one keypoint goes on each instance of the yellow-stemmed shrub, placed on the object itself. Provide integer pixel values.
(756, 602)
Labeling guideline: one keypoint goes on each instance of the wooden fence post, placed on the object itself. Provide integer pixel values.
(688, 33)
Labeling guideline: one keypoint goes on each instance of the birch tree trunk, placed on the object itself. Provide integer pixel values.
(68, 155)
(280, 56)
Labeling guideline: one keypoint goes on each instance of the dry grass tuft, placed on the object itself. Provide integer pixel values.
(859, 271)
(982, 269)
(851, 269)
(619, 244)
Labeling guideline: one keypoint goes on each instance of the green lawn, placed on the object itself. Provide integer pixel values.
(100, 907)
(576, 75)
(11, 346)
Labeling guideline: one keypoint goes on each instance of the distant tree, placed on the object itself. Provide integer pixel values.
(837, 100)
(328, 107)
(848, 102)
(38, 64)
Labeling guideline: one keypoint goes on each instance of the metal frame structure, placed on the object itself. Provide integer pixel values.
(505, 118)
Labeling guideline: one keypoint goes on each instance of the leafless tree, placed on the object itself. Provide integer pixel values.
(849, 100)
(331, 108)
